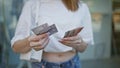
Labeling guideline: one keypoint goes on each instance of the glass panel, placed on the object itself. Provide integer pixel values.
(9, 14)
(116, 20)
(116, 27)
(101, 21)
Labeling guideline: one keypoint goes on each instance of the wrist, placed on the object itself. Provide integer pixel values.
(81, 46)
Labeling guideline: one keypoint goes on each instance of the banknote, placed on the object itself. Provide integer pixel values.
(45, 28)
(40, 29)
(73, 32)
(52, 29)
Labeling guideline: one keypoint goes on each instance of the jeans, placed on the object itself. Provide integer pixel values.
(72, 63)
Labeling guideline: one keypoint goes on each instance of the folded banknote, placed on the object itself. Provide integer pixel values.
(73, 32)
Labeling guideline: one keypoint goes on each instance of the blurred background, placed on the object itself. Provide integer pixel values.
(105, 53)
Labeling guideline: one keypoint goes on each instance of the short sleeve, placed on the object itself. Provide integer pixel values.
(24, 23)
(87, 32)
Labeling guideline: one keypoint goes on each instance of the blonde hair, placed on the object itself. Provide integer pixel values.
(72, 5)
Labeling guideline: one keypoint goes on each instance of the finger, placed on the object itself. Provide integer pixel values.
(46, 42)
(73, 38)
(67, 43)
(38, 48)
(42, 46)
(33, 44)
(77, 42)
(41, 42)
(71, 42)
(38, 37)
(31, 38)
(42, 36)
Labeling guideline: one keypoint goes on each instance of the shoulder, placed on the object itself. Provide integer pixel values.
(31, 3)
(83, 5)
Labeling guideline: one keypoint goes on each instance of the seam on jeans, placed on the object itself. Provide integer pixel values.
(44, 63)
(72, 63)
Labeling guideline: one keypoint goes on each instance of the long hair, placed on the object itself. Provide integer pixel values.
(72, 5)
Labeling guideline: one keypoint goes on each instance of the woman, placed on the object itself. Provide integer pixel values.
(58, 52)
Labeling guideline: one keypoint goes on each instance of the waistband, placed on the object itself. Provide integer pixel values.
(70, 62)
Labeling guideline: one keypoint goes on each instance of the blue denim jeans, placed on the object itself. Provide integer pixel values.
(72, 63)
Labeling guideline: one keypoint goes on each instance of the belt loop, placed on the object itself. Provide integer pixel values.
(43, 66)
(44, 62)
(72, 61)
(61, 65)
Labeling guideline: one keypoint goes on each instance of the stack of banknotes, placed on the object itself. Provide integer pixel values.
(45, 28)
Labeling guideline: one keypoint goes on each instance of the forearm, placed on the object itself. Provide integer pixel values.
(21, 46)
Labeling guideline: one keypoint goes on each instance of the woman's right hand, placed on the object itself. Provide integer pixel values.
(39, 42)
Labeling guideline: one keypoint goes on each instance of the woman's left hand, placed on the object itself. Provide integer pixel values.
(75, 42)
(71, 41)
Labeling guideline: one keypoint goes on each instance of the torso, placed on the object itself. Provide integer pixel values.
(54, 12)
(58, 57)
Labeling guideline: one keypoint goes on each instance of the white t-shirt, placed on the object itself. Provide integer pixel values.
(38, 12)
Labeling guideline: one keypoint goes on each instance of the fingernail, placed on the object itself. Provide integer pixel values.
(60, 40)
(48, 33)
(64, 38)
